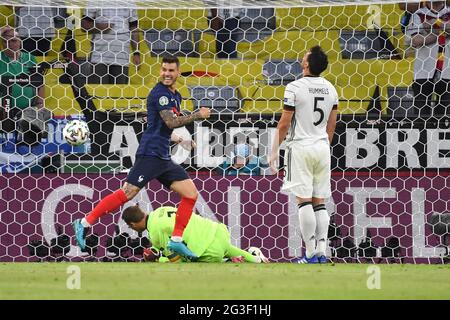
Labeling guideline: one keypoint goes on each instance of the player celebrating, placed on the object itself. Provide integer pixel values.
(209, 240)
(310, 110)
(153, 160)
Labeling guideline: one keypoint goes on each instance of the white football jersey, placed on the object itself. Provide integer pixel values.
(313, 99)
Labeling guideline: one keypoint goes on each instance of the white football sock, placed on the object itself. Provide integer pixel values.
(308, 227)
(84, 223)
(322, 224)
(176, 238)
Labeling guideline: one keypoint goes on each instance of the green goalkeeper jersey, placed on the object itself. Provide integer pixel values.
(198, 235)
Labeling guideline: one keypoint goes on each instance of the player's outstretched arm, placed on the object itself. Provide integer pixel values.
(173, 122)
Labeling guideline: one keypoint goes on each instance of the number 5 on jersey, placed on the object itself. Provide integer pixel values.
(319, 110)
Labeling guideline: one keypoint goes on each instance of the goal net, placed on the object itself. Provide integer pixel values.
(98, 60)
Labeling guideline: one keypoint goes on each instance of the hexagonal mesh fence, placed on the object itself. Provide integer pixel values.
(97, 62)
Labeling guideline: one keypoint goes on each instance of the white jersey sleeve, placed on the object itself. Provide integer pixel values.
(289, 95)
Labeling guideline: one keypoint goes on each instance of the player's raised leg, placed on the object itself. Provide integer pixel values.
(322, 224)
(188, 193)
(108, 204)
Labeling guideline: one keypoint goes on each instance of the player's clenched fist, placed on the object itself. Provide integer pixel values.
(204, 112)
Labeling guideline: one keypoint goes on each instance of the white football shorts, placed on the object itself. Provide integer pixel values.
(308, 170)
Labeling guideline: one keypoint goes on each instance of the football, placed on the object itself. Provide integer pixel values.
(258, 253)
(76, 132)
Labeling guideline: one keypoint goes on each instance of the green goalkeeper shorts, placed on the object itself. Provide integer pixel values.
(218, 248)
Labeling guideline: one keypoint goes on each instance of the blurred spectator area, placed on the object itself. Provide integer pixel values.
(281, 36)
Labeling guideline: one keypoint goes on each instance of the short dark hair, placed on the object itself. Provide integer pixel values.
(133, 214)
(171, 59)
(318, 61)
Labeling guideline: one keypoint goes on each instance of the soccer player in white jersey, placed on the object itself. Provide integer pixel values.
(308, 122)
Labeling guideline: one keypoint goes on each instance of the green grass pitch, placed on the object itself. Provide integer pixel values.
(163, 281)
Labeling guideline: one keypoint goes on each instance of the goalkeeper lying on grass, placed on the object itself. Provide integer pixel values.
(209, 240)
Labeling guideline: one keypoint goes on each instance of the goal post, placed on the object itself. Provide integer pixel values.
(390, 164)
